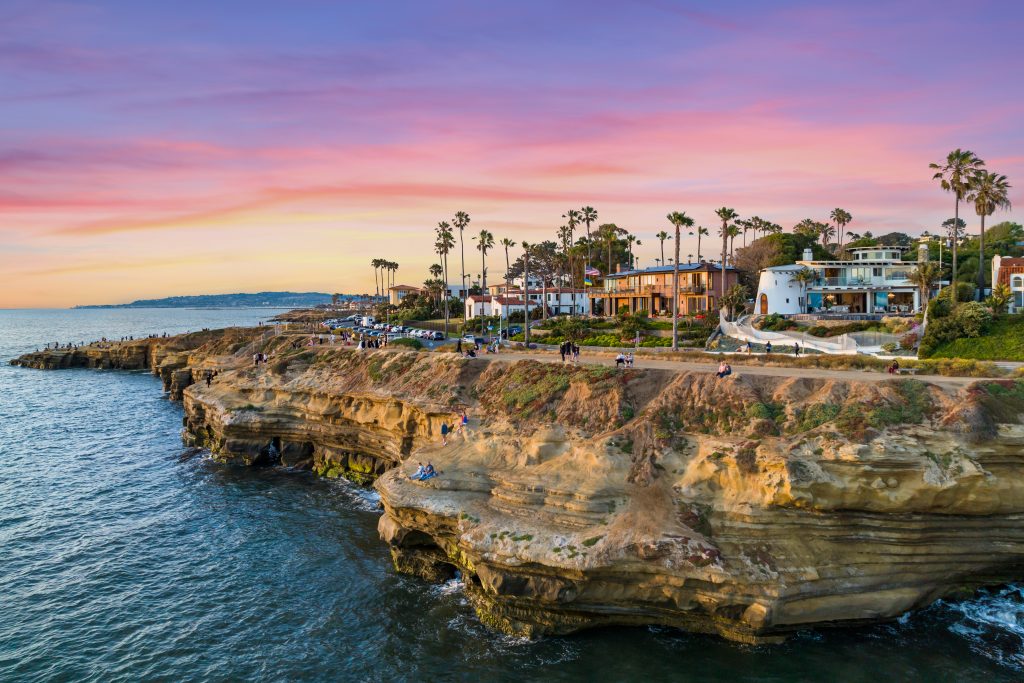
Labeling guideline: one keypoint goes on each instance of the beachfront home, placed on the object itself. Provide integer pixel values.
(488, 305)
(650, 289)
(399, 292)
(874, 280)
(1010, 272)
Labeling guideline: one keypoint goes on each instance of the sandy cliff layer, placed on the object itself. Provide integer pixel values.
(749, 507)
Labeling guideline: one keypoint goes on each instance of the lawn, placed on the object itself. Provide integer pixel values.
(1003, 341)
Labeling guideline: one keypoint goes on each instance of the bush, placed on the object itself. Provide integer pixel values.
(938, 308)
(889, 347)
(973, 318)
(774, 322)
(403, 341)
(909, 340)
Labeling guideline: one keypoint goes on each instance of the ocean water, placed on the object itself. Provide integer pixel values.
(125, 557)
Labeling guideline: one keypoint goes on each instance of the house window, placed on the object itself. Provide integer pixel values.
(787, 300)
(877, 272)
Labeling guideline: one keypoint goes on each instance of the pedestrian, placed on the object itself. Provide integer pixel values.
(575, 353)
(796, 348)
(458, 347)
(444, 434)
(562, 350)
(768, 347)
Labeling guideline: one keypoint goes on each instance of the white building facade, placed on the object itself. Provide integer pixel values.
(875, 280)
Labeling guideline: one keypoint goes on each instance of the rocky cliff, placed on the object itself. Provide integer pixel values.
(583, 496)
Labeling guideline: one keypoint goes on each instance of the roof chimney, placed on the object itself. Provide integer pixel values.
(808, 254)
(618, 267)
(922, 253)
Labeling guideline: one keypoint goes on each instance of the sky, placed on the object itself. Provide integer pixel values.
(151, 149)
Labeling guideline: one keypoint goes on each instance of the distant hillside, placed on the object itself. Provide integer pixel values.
(257, 300)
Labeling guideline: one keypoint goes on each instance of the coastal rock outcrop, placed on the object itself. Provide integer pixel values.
(585, 496)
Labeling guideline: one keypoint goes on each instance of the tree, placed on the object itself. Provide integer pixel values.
(841, 218)
(701, 230)
(334, 299)
(662, 236)
(376, 278)
(609, 233)
(955, 175)
(989, 191)
(999, 302)
(804, 277)
(809, 227)
(734, 231)
(588, 215)
(484, 242)
(827, 233)
(435, 270)
(725, 214)
(460, 221)
(508, 244)
(631, 240)
(925, 276)
(443, 246)
(734, 298)
(527, 248)
(678, 219)
(760, 254)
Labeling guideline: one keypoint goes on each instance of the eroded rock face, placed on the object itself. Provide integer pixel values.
(747, 507)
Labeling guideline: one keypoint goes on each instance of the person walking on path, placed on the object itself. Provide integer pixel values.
(444, 433)
(796, 348)
(562, 349)
(768, 347)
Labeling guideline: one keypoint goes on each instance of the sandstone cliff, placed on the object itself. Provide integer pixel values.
(748, 507)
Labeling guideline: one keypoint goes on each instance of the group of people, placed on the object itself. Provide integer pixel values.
(894, 368)
(210, 375)
(424, 472)
(624, 360)
(260, 357)
(571, 350)
(460, 424)
(724, 370)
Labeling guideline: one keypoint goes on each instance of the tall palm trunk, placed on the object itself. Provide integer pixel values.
(981, 261)
(675, 296)
(588, 264)
(698, 245)
(725, 253)
(526, 295)
(955, 295)
(444, 293)
(462, 294)
(508, 269)
(483, 280)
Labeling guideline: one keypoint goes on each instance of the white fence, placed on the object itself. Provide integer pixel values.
(843, 344)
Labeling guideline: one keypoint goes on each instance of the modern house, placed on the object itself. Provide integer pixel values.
(650, 289)
(1010, 272)
(875, 280)
(560, 301)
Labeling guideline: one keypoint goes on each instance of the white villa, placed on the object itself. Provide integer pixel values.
(560, 300)
(874, 281)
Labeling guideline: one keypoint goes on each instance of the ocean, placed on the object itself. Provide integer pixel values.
(126, 557)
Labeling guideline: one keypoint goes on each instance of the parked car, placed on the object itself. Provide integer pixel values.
(436, 336)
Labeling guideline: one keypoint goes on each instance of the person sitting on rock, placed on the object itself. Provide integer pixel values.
(620, 360)
(428, 472)
(723, 370)
(419, 471)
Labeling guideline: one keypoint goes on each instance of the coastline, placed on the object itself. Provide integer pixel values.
(732, 523)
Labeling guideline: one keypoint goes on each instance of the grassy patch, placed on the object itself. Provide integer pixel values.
(815, 415)
(1004, 340)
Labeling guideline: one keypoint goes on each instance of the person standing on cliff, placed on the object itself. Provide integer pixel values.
(444, 433)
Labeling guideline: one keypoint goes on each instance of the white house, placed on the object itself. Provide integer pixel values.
(875, 280)
(487, 305)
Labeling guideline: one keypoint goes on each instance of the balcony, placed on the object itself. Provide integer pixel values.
(660, 290)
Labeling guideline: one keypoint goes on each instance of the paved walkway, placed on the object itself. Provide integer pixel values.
(737, 368)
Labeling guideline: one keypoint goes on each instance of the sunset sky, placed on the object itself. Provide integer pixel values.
(150, 149)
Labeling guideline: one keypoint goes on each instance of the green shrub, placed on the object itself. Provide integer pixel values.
(405, 341)
(973, 318)
(889, 347)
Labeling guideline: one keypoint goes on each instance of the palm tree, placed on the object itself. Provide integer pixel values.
(701, 230)
(508, 244)
(841, 218)
(376, 280)
(443, 246)
(662, 236)
(588, 215)
(926, 276)
(826, 232)
(609, 233)
(804, 277)
(955, 175)
(435, 274)
(734, 231)
(988, 192)
(484, 242)
(725, 214)
(631, 240)
(460, 221)
(677, 219)
(527, 248)
(565, 237)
